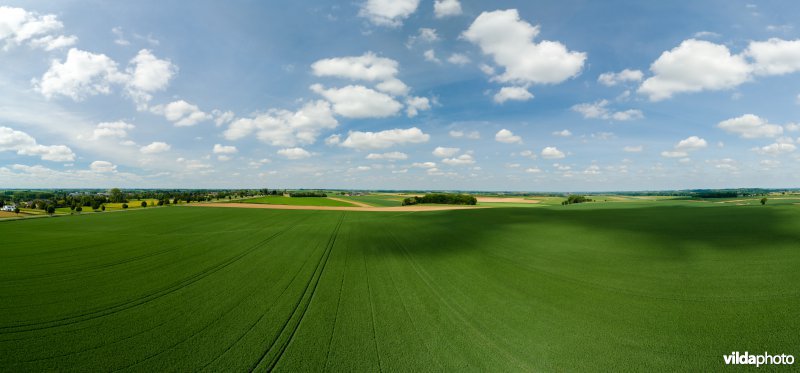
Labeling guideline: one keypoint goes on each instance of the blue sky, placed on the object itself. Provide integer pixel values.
(442, 94)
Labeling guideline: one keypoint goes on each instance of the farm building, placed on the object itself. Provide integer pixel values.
(9, 208)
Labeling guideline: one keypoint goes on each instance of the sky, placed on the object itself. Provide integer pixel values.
(405, 94)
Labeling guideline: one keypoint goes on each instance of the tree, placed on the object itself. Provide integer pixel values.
(116, 195)
(51, 209)
(160, 202)
(79, 209)
(16, 210)
(144, 203)
(124, 205)
(763, 201)
(103, 207)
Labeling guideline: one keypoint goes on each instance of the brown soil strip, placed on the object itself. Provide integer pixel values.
(507, 200)
(359, 204)
(331, 208)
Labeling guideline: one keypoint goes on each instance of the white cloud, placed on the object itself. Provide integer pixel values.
(118, 129)
(333, 140)
(458, 59)
(357, 101)
(228, 149)
(512, 93)
(424, 35)
(446, 8)
(181, 113)
(706, 34)
(384, 139)
(633, 149)
(148, 74)
(443, 152)
(674, 154)
(221, 117)
(528, 154)
(393, 87)
(102, 167)
(430, 55)
(509, 40)
(155, 147)
(389, 155)
(693, 66)
(25, 144)
(599, 110)
(563, 133)
(691, 143)
(424, 164)
(294, 153)
(19, 26)
(415, 104)
(774, 56)
(507, 137)
(750, 126)
(777, 148)
(473, 135)
(461, 160)
(120, 40)
(611, 79)
(389, 13)
(283, 127)
(551, 152)
(82, 74)
(592, 170)
(533, 170)
(367, 67)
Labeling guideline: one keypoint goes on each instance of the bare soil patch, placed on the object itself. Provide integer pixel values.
(357, 203)
(507, 200)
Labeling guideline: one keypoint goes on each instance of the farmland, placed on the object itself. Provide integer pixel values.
(641, 285)
(297, 201)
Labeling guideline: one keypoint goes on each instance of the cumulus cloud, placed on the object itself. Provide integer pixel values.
(390, 13)
(750, 126)
(774, 56)
(509, 40)
(611, 79)
(600, 110)
(507, 137)
(415, 104)
(285, 128)
(512, 93)
(674, 154)
(472, 135)
(461, 160)
(118, 129)
(155, 147)
(333, 140)
(562, 133)
(446, 8)
(423, 164)
(633, 149)
(780, 146)
(691, 143)
(182, 113)
(369, 67)
(551, 152)
(443, 152)
(357, 101)
(224, 149)
(384, 139)
(389, 156)
(19, 26)
(458, 59)
(294, 153)
(102, 167)
(693, 66)
(424, 35)
(83, 74)
(430, 55)
(533, 170)
(25, 144)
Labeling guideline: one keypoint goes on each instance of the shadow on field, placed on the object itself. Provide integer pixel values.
(674, 227)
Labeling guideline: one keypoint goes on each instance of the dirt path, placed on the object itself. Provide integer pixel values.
(331, 208)
(359, 204)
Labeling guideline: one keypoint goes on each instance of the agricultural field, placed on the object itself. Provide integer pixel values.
(296, 201)
(376, 200)
(656, 285)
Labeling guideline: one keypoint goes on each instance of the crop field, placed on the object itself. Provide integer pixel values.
(296, 201)
(600, 287)
(376, 200)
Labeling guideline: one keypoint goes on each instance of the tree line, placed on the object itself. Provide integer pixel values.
(442, 198)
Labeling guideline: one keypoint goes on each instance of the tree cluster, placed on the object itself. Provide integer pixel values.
(575, 198)
(307, 194)
(442, 198)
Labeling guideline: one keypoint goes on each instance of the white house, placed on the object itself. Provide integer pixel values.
(9, 208)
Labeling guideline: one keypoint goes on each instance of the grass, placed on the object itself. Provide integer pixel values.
(376, 200)
(296, 201)
(600, 287)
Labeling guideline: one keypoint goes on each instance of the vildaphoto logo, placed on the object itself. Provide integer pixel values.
(746, 359)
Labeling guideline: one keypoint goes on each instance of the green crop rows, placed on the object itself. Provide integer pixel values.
(655, 287)
(297, 201)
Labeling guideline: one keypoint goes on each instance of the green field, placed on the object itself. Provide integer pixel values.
(296, 201)
(592, 287)
(377, 200)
